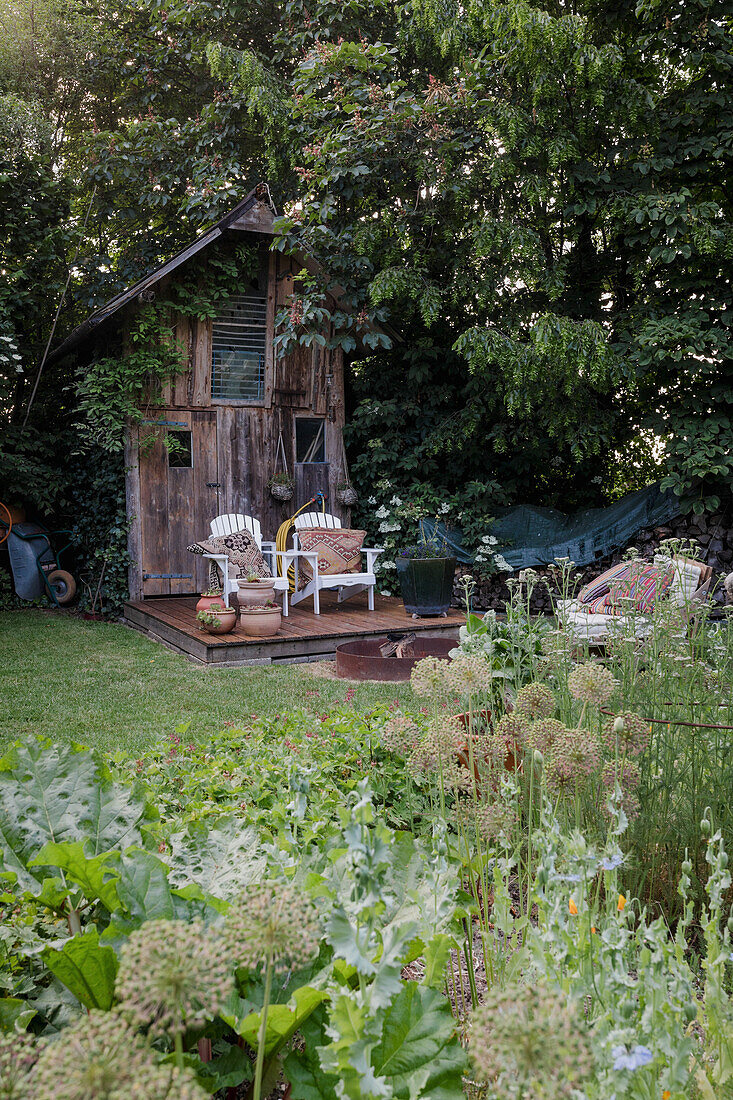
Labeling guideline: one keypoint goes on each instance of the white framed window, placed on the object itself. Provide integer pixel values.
(238, 348)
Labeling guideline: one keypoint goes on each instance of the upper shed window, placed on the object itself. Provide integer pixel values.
(238, 349)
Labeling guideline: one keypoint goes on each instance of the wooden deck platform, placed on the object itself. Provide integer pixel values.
(304, 636)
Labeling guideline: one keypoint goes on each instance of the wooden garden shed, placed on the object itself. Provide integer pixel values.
(226, 411)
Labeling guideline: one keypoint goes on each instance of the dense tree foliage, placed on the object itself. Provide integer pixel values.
(536, 198)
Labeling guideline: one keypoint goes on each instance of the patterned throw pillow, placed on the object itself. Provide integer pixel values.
(640, 590)
(240, 547)
(601, 586)
(338, 549)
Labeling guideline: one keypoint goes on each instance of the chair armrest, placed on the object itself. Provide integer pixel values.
(372, 553)
(291, 555)
(221, 560)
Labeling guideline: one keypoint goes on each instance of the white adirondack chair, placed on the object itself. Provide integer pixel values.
(229, 525)
(348, 584)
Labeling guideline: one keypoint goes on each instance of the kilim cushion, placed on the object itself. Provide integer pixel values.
(241, 549)
(638, 590)
(338, 549)
(601, 586)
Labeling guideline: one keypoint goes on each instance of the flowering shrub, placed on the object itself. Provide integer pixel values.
(391, 514)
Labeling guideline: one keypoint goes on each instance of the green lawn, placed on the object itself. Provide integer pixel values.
(105, 685)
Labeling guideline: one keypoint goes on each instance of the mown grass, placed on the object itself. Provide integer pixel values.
(107, 686)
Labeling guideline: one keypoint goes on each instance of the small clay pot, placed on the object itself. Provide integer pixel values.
(255, 592)
(227, 617)
(207, 602)
(262, 622)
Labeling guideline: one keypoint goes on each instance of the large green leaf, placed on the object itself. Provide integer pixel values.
(87, 968)
(220, 860)
(282, 1020)
(95, 876)
(142, 888)
(303, 1067)
(419, 1047)
(58, 794)
(15, 1015)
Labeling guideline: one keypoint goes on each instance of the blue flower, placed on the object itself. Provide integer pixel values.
(631, 1060)
(612, 862)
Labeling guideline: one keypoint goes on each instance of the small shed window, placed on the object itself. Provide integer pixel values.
(180, 454)
(310, 439)
(238, 349)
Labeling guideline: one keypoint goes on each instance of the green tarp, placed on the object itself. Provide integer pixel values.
(529, 536)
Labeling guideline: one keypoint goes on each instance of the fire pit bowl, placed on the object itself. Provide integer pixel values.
(361, 660)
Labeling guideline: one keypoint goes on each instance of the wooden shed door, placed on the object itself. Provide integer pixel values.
(179, 496)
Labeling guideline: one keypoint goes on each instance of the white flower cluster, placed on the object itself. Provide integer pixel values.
(385, 527)
(9, 355)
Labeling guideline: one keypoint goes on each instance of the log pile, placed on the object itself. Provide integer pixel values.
(713, 533)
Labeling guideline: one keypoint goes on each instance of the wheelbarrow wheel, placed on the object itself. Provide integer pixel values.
(63, 586)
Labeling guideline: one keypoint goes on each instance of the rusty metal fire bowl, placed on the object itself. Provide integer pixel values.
(361, 660)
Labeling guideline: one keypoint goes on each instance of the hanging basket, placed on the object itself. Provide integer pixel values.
(347, 495)
(281, 485)
(280, 491)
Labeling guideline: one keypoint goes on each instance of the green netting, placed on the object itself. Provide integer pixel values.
(529, 536)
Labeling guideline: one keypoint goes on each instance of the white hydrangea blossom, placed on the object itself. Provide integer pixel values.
(489, 540)
(395, 502)
(502, 564)
(381, 513)
(371, 500)
(385, 528)
(387, 565)
(444, 509)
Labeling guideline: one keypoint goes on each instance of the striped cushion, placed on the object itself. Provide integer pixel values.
(638, 591)
(641, 590)
(601, 586)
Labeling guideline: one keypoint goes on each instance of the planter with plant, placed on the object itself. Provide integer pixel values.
(426, 572)
(262, 620)
(210, 597)
(217, 620)
(255, 590)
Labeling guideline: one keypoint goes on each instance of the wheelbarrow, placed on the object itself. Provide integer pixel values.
(34, 562)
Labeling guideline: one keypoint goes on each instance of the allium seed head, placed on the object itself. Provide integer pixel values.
(401, 735)
(172, 975)
(469, 674)
(591, 683)
(628, 732)
(428, 676)
(272, 921)
(535, 701)
(575, 755)
(509, 735)
(529, 1042)
(102, 1058)
(17, 1058)
(493, 821)
(543, 734)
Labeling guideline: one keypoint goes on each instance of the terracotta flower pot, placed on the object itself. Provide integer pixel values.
(227, 617)
(261, 622)
(206, 602)
(253, 593)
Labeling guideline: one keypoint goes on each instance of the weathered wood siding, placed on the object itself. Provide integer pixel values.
(234, 448)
